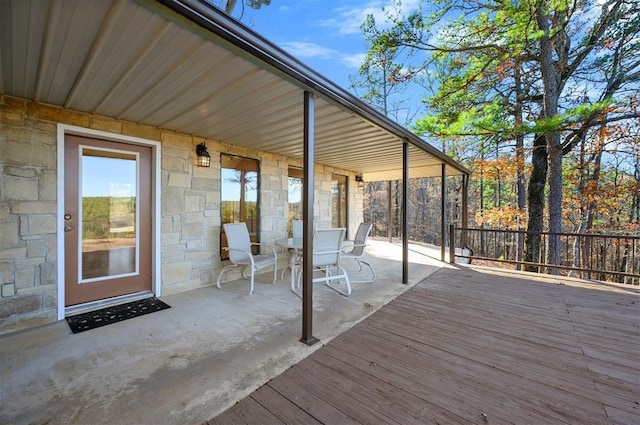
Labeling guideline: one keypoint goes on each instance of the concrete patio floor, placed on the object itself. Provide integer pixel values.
(186, 364)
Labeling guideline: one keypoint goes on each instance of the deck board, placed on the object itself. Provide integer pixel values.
(471, 345)
(281, 407)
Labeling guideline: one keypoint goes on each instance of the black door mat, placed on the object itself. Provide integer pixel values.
(106, 316)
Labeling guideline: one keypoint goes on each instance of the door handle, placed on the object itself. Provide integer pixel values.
(67, 228)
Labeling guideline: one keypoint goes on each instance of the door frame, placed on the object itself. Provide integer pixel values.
(156, 155)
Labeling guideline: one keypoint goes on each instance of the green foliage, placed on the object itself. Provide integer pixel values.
(230, 211)
(101, 215)
(488, 80)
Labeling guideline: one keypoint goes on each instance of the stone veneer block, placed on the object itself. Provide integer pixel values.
(178, 140)
(194, 245)
(174, 163)
(170, 239)
(9, 234)
(48, 274)
(193, 203)
(173, 255)
(19, 188)
(141, 131)
(4, 211)
(180, 180)
(8, 290)
(47, 185)
(37, 225)
(192, 230)
(11, 118)
(20, 171)
(57, 114)
(106, 124)
(206, 184)
(176, 272)
(31, 154)
(36, 248)
(25, 277)
(33, 207)
(6, 272)
(172, 200)
(20, 304)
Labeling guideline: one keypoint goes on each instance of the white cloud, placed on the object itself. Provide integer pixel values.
(346, 22)
(303, 50)
(309, 50)
(350, 18)
(353, 61)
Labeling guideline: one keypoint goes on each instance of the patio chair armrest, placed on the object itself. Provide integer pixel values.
(271, 247)
(328, 252)
(247, 253)
(350, 247)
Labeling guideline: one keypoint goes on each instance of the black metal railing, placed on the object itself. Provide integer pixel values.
(605, 257)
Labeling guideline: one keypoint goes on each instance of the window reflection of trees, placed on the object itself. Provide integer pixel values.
(240, 200)
(294, 196)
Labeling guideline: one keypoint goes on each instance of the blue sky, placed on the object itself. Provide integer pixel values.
(324, 35)
(108, 176)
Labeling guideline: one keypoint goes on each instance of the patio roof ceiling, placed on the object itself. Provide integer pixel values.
(182, 65)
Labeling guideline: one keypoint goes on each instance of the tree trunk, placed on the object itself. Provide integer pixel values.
(551, 83)
(482, 236)
(535, 198)
(634, 216)
(520, 184)
(584, 209)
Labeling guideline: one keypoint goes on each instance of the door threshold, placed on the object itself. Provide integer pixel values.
(108, 302)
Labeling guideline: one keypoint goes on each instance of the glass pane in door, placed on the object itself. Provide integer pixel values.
(109, 185)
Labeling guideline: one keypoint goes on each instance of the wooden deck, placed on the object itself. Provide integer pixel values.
(470, 345)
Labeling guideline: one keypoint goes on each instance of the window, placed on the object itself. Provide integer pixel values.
(296, 178)
(239, 195)
(339, 204)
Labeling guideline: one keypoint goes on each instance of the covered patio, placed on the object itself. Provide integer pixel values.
(166, 77)
(188, 363)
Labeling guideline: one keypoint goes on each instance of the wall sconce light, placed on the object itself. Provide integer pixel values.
(204, 159)
(360, 181)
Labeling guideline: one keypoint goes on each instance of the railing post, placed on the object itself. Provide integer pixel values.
(520, 249)
(452, 245)
(465, 210)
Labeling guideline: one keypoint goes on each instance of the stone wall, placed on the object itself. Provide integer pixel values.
(190, 207)
(28, 257)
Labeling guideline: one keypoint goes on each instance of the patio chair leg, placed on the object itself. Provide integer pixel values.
(345, 276)
(224, 269)
(252, 281)
(373, 272)
(284, 270)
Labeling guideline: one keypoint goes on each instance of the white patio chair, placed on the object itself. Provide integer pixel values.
(356, 253)
(327, 249)
(240, 254)
(296, 227)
